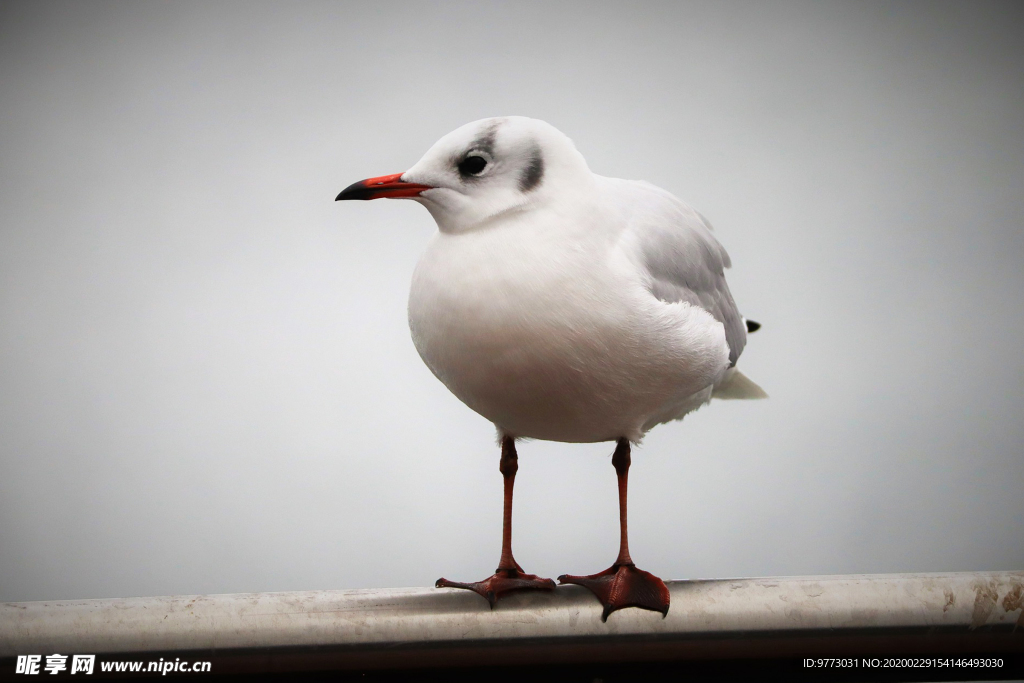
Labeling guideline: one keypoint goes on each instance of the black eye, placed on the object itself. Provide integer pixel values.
(473, 165)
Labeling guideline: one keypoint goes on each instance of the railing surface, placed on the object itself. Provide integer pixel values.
(425, 627)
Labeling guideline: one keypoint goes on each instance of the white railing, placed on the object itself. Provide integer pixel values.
(425, 627)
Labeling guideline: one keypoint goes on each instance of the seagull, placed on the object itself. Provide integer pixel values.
(565, 306)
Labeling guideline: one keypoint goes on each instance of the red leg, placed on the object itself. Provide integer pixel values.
(509, 576)
(622, 584)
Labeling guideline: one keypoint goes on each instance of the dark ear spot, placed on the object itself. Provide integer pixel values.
(534, 171)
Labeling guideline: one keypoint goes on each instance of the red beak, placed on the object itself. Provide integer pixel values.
(382, 186)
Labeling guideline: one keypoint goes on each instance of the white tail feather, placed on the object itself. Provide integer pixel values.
(736, 385)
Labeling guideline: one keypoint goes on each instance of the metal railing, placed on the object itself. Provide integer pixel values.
(426, 627)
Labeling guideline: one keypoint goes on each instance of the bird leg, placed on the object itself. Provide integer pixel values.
(509, 576)
(622, 584)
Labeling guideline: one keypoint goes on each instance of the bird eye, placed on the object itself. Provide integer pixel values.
(472, 165)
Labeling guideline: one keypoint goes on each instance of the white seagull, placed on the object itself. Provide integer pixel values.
(566, 306)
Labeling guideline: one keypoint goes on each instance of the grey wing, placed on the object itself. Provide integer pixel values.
(686, 263)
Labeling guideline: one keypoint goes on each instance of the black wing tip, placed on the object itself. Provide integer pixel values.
(752, 325)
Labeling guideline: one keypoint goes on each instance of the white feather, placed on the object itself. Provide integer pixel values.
(583, 309)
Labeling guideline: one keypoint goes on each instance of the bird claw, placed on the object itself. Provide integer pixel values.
(623, 585)
(503, 582)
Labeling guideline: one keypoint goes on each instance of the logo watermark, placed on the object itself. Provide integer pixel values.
(33, 665)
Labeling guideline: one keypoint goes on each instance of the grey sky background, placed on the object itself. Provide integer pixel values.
(206, 378)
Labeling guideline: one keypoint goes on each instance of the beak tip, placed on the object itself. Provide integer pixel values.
(357, 190)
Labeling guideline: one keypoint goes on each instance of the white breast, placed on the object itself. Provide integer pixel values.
(552, 333)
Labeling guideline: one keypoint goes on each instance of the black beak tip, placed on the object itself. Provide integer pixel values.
(357, 190)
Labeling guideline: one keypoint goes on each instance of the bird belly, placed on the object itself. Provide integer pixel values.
(547, 356)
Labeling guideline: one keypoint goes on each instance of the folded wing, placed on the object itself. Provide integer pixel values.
(683, 259)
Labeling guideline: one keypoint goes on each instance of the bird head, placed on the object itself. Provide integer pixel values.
(484, 170)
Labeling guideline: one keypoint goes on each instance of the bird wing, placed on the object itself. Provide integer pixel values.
(684, 261)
